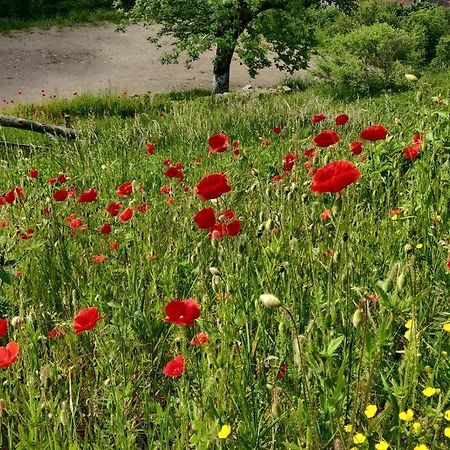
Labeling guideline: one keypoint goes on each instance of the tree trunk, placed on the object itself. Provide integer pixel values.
(221, 70)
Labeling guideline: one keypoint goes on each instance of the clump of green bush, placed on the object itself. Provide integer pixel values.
(368, 60)
(370, 50)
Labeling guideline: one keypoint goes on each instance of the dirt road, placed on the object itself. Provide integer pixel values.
(97, 59)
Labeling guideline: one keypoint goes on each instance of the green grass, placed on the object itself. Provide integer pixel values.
(71, 18)
(105, 388)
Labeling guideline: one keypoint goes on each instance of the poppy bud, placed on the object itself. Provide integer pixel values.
(410, 77)
(270, 301)
(275, 406)
(407, 248)
(2, 406)
(214, 271)
(357, 318)
(293, 244)
(268, 224)
(401, 281)
(17, 321)
(216, 280)
(298, 341)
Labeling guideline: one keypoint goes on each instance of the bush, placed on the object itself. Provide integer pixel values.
(431, 23)
(442, 59)
(369, 60)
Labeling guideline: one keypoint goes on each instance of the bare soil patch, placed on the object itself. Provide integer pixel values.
(37, 64)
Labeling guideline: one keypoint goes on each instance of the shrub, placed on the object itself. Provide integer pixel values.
(431, 23)
(442, 59)
(369, 60)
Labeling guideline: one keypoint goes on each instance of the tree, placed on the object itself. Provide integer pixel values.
(256, 30)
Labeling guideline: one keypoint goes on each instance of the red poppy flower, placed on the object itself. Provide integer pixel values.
(289, 161)
(277, 130)
(99, 258)
(235, 143)
(142, 208)
(448, 264)
(374, 133)
(8, 354)
(218, 143)
(33, 173)
(175, 367)
(114, 208)
(335, 176)
(55, 333)
(417, 138)
(20, 192)
(282, 371)
(165, 190)
(411, 152)
(326, 138)
(88, 196)
(205, 218)
(212, 186)
(279, 177)
(200, 339)
(62, 178)
(3, 327)
(170, 201)
(10, 197)
(227, 214)
(106, 228)
(265, 142)
(60, 195)
(341, 119)
(76, 223)
(26, 234)
(125, 189)
(126, 215)
(182, 312)
(150, 148)
(236, 151)
(356, 147)
(218, 231)
(233, 228)
(86, 319)
(174, 172)
(310, 153)
(114, 246)
(325, 215)
(318, 118)
(167, 162)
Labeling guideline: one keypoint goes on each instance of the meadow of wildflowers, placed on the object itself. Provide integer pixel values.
(252, 271)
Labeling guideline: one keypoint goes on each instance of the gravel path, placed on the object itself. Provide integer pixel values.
(37, 64)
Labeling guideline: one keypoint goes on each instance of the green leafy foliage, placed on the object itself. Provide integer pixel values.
(368, 60)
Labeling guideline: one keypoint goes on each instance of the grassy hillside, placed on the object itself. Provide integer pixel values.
(358, 354)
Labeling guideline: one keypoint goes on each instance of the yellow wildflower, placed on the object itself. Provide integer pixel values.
(421, 447)
(394, 217)
(407, 334)
(429, 391)
(446, 327)
(409, 324)
(438, 218)
(447, 432)
(383, 445)
(417, 427)
(370, 411)
(406, 416)
(447, 415)
(224, 432)
(348, 428)
(419, 246)
(359, 438)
